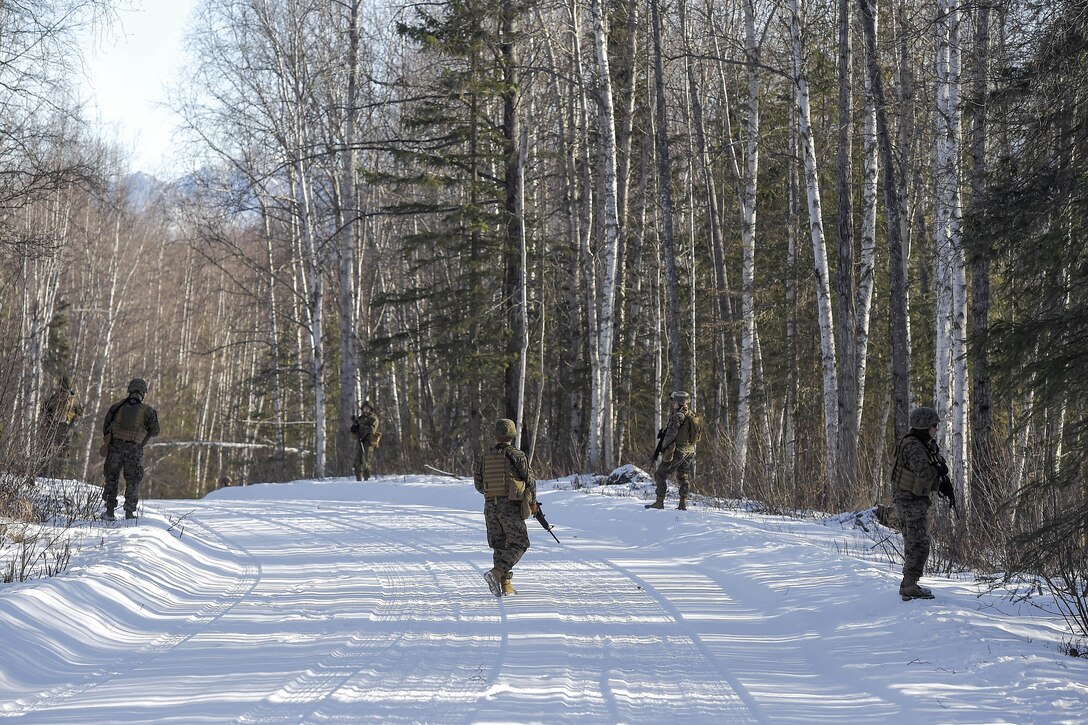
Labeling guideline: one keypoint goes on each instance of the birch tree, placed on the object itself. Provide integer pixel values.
(819, 253)
(348, 212)
(897, 303)
(601, 414)
(867, 266)
(677, 357)
(748, 237)
(951, 290)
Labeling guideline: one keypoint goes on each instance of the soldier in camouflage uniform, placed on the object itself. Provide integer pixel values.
(60, 413)
(365, 429)
(502, 475)
(129, 424)
(677, 451)
(917, 472)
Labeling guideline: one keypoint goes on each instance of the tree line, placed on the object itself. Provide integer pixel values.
(812, 216)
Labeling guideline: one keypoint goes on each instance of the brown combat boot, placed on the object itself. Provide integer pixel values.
(658, 504)
(507, 585)
(683, 506)
(493, 577)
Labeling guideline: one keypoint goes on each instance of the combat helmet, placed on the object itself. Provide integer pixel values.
(505, 429)
(679, 396)
(924, 418)
(137, 385)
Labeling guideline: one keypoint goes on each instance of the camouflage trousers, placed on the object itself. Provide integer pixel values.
(913, 514)
(128, 457)
(363, 456)
(58, 451)
(506, 533)
(681, 464)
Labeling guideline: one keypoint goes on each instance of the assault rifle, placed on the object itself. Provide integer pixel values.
(539, 516)
(944, 485)
(657, 451)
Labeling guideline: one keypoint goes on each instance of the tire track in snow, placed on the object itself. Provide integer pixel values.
(726, 694)
(186, 629)
(304, 696)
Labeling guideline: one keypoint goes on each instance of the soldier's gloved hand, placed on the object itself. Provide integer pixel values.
(947, 490)
(942, 468)
(534, 507)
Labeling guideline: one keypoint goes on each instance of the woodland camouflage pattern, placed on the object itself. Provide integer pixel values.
(136, 421)
(913, 514)
(506, 532)
(914, 477)
(365, 429)
(677, 454)
(60, 413)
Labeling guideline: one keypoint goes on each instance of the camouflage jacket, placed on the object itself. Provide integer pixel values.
(365, 427)
(673, 429)
(914, 469)
(61, 408)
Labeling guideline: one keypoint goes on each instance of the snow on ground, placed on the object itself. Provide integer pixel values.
(338, 601)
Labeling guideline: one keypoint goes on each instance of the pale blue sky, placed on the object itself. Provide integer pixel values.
(129, 70)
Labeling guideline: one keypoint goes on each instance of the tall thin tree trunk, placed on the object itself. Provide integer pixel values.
(847, 346)
(511, 136)
(900, 333)
(982, 423)
(867, 268)
(601, 434)
(349, 214)
(748, 242)
(951, 290)
(677, 357)
(819, 251)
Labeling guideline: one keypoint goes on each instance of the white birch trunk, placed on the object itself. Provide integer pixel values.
(950, 378)
(600, 436)
(819, 251)
(867, 269)
(748, 242)
(523, 283)
(348, 208)
(314, 288)
(958, 451)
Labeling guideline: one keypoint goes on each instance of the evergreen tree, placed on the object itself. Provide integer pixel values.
(1036, 217)
(460, 161)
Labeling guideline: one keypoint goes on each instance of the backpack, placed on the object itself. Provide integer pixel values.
(695, 423)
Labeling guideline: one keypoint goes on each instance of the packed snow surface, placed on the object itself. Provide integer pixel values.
(338, 601)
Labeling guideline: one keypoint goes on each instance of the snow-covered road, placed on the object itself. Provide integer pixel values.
(344, 602)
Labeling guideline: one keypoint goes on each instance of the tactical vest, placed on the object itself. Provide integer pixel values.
(128, 423)
(497, 472)
(903, 478)
(500, 479)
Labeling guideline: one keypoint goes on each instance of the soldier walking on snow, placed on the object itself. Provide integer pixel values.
(365, 429)
(918, 471)
(502, 475)
(129, 424)
(676, 445)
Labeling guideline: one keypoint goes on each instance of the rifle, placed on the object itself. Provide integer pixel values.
(657, 451)
(539, 516)
(944, 485)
